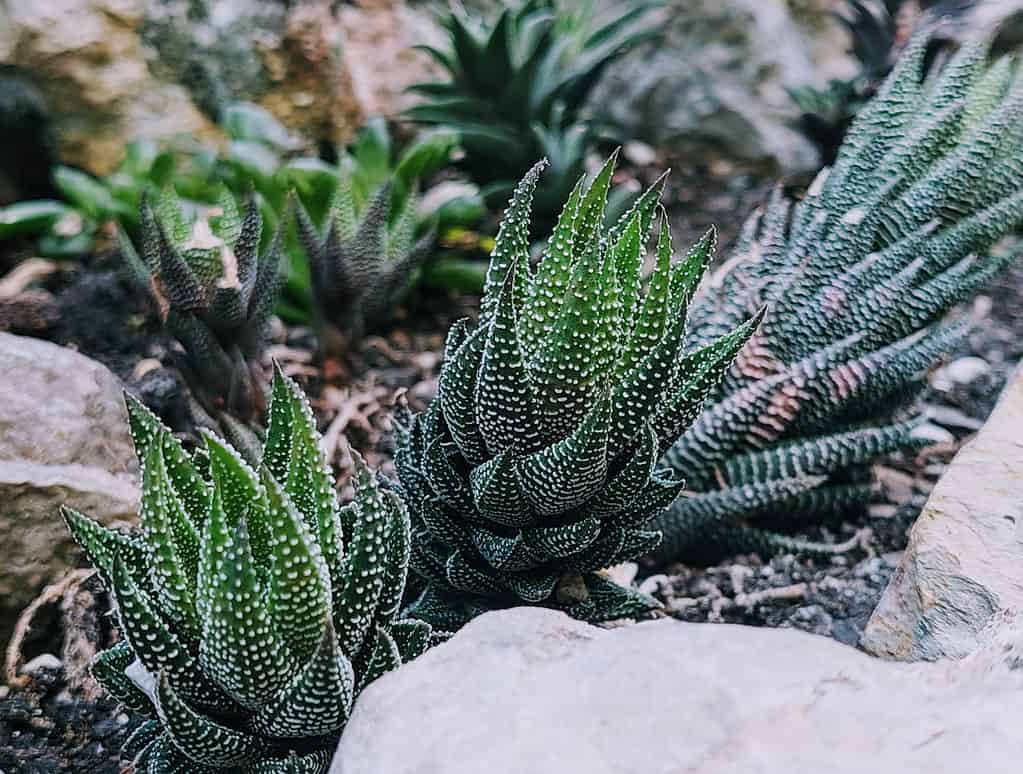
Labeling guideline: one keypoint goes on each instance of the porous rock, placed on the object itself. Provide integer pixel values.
(530, 690)
(63, 440)
(963, 562)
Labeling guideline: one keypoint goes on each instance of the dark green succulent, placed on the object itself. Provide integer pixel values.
(857, 277)
(516, 88)
(253, 609)
(533, 469)
(215, 289)
(366, 240)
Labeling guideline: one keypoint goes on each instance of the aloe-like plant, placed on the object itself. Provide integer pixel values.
(856, 277)
(365, 241)
(534, 467)
(517, 84)
(253, 609)
(215, 289)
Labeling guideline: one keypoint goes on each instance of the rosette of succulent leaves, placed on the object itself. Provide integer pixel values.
(857, 277)
(253, 609)
(367, 238)
(535, 466)
(516, 89)
(215, 288)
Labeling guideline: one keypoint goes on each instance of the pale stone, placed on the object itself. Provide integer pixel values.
(964, 561)
(530, 690)
(63, 441)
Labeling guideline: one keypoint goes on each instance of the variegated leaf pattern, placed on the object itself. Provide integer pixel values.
(534, 468)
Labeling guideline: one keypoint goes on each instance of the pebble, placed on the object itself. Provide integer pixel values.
(962, 371)
(639, 153)
(44, 661)
(897, 486)
(933, 433)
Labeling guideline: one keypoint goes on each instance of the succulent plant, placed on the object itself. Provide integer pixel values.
(856, 277)
(516, 90)
(253, 609)
(365, 240)
(533, 468)
(215, 290)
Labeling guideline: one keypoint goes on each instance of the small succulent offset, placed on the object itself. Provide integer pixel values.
(534, 468)
(516, 89)
(358, 264)
(856, 278)
(365, 239)
(215, 289)
(253, 609)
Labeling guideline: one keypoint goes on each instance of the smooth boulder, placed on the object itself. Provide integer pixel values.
(63, 440)
(531, 690)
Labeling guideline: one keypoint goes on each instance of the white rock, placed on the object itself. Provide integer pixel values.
(63, 440)
(962, 371)
(964, 561)
(530, 690)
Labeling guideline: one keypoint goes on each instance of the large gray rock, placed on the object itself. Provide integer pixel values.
(715, 82)
(964, 561)
(63, 440)
(530, 690)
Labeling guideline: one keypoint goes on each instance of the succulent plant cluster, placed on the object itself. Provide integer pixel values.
(856, 277)
(253, 608)
(534, 468)
(363, 231)
(215, 288)
(516, 89)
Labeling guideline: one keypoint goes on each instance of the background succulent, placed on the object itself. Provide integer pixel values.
(215, 289)
(533, 468)
(365, 241)
(856, 277)
(516, 87)
(253, 608)
(873, 27)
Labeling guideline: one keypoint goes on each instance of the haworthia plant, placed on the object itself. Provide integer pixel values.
(215, 289)
(253, 609)
(857, 277)
(534, 468)
(361, 260)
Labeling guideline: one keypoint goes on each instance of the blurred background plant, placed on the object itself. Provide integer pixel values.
(516, 87)
(873, 27)
(260, 157)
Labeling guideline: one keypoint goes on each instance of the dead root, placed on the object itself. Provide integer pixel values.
(79, 647)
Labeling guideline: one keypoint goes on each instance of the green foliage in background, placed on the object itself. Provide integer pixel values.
(872, 26)
(516, 88)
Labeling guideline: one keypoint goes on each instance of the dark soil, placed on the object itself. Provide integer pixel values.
(48, 730)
